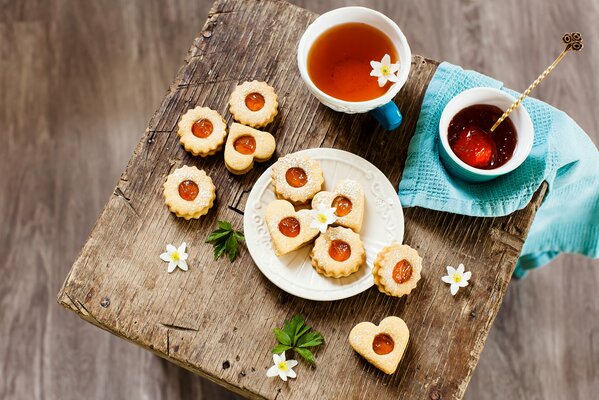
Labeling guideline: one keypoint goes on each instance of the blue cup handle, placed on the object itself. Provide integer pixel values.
(388, 116)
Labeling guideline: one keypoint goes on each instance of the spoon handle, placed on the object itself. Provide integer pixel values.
(573, 42)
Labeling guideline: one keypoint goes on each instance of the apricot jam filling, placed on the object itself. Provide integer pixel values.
(254, 101)
(342, 206)
(383, 344)
(289, 227)
(296, 177)
(402, 272)
(202, 128)
(339, 250)
(188, 190)
(245, 144)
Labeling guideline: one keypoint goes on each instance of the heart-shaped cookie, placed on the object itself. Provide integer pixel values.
(289, 229)
(384, 345)
(244, 145)
(348, 200)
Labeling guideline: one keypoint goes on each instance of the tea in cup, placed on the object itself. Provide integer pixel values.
(336, 55)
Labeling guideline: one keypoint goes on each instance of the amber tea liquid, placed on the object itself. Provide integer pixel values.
(339, 61)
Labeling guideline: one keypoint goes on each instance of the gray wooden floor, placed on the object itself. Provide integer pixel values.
(78, 83)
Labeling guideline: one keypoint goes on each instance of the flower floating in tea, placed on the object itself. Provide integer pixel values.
(384, 71)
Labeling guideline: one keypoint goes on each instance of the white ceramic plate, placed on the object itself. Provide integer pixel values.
(293, 272)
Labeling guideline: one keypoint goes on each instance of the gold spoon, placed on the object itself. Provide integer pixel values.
(573, 41)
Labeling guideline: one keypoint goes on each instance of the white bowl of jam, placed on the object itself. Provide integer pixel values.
(469, 150)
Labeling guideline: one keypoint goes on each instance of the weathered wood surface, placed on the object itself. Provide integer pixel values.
(216, 320)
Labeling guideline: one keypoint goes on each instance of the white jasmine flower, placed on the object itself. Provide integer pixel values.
(384, 70)
(322, 217)
(175, 257)
(282, 368)
(457, 278)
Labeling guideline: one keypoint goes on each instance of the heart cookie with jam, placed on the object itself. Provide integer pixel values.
(348, 200)
(189, 192)
(338, 252)
(384, 345)
(289, 229)
(246, 145)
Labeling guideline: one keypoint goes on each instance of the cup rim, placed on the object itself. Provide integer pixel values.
(302, 58)
(525, 134)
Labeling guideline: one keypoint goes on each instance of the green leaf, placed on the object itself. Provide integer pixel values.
(226, 225)
(217, 235)
(302, 331)
(282, 337)
(219, 250)
(278, 349)
(231, 248)
(310, 339)
(306, 354)
(239, 236)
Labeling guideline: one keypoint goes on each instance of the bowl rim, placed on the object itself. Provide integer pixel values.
(404, 71)
(525, 133)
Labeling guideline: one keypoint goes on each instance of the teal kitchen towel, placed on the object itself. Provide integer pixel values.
(562, 154)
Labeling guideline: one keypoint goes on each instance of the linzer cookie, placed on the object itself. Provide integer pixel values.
(296, 178)
(338, 252)
(289, 229)
(189, 192)
(254, 104)
(397, 269)
(202, 131)
(246, 145)
(384, 345)
(348, 200)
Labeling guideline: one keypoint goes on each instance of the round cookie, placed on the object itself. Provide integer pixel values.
(189, 192)
(338, 252)
(296, 178)
(397, 269)
(202, 131)
(254, 104)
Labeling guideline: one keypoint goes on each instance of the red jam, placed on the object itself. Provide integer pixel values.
(402, 272)
(296, 177)
(202, 128)
(470, 137)
(188, 190)
(289, 227)
(254, 101)
(383, 344)
(245, 144)
(342, 206)
(339, 250)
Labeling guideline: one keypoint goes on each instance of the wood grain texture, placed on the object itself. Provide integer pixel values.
(78, 81)
(216, 320)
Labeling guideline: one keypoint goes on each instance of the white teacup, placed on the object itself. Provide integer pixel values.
(382, 108)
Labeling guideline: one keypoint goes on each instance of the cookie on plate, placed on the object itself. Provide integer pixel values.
(254, 104)
(397, 269)
(189, 192)
(246, 145)
(338, 252)
(289, 229)
(348, 200)
(296, 178)
(384, 345)
(202, 131)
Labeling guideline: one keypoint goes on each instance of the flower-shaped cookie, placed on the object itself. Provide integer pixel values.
(397, 269)
(289, 229)
(244, 145)
(348, 200)
(338, 252)
(384, 345)
(254, 104)
(202, 131)
(296, 178)
(189, 192)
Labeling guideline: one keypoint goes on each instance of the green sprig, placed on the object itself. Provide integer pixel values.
(297, 336)
(225, 241)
